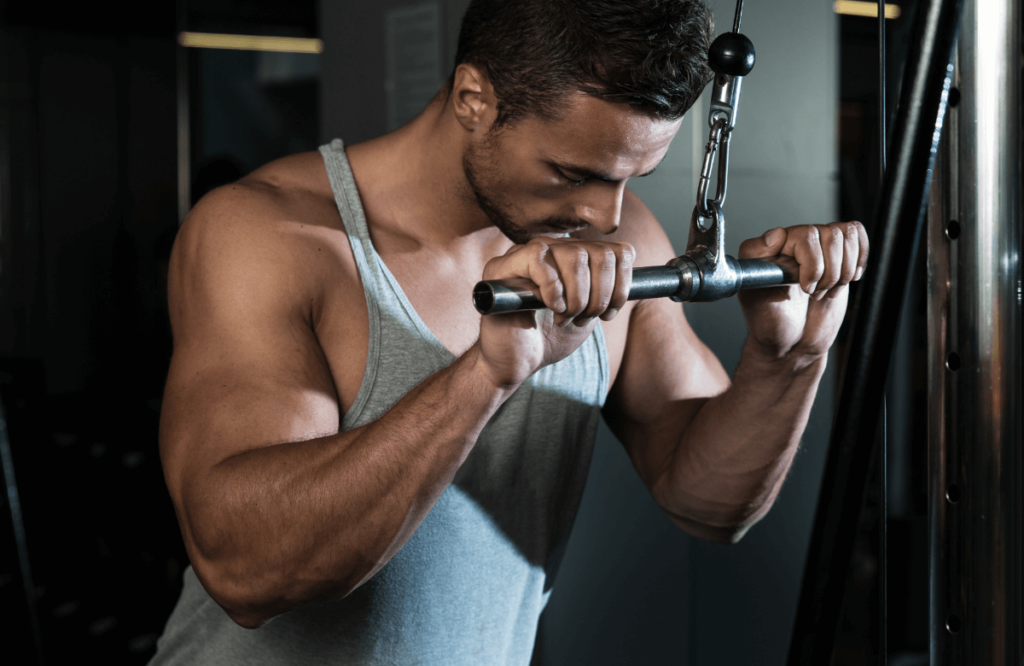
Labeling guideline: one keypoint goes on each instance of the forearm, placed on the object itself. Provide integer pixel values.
(279, 526)
(730, 461)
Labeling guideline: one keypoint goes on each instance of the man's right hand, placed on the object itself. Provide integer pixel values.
(578, 281)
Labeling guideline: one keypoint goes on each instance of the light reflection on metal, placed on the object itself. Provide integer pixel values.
(863, 8)
(210, 40)
(975, 450)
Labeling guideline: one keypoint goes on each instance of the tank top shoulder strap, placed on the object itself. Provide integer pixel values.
(346, 196)
(350, 208)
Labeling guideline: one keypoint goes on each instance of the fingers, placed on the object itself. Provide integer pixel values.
(830, 256)
(846, 257)
(768, 245)
(576, 280)
(573, 263)
(625, 255)
(803, 243)
(864, 245)
(534, 262)
(851, 253)
(832, 250)
(610, 278)
(596, 278)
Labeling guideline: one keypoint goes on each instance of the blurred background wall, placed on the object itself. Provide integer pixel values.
(89, 189)
(109, 130)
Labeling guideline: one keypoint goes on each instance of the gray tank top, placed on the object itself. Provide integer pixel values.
(470, 584)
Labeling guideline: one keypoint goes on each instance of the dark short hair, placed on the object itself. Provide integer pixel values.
(651, 54)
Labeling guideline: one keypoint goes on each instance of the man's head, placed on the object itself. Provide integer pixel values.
(569, 98)
(650, 54)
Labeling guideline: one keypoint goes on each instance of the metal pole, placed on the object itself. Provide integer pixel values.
(183, 135)
(915, 134)
(975, 454)
(883, 458)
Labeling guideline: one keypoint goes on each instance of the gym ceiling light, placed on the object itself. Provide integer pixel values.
(209, 40)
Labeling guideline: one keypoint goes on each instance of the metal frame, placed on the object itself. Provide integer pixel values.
(974, 310)
(915, 131)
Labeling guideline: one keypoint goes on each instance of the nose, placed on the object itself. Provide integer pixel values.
(602, 206)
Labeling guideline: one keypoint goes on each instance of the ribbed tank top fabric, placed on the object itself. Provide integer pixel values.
(470, 584)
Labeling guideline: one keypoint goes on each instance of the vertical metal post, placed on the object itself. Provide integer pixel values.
(975, 446)
(899, 216)
(184, 138)
(883, 458)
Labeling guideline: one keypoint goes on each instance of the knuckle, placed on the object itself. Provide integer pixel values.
(537, 250)
(628, 252)
(491, 267)
(581, 259)
(577, 300)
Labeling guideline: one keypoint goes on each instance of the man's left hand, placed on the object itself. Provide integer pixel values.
(803, 319)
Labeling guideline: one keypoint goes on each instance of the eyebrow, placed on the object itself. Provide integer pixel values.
(591, 174)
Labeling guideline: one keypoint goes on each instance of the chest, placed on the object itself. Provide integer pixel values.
(422, 294)
(441, 295)
(438, 292)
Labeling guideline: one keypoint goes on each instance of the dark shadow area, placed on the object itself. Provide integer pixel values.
(860, 637)
(89, 210)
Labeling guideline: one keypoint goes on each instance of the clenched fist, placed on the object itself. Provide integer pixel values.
(578, 281)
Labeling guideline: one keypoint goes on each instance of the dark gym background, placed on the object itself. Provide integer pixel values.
(89, 205)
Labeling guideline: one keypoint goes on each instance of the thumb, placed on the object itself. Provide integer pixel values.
(767, 245)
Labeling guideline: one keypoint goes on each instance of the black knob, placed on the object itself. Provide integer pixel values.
(731, 53)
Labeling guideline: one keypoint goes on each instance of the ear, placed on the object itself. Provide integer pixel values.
(473, 100)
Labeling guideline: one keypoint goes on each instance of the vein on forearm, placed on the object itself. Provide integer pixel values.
(327, 513)
(734, 454)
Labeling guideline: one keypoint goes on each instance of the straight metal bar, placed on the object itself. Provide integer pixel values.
(516, 294)
(683, 281)
(916, 130)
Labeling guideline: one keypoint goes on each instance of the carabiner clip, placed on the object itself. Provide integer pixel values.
(717, 129)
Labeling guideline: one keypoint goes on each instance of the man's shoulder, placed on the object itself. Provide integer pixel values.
(283, 202)
(276, 224)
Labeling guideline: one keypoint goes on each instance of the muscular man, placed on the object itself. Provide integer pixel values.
(367, 472)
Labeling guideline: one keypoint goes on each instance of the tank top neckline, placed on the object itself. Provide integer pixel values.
(382, 290)
(356, 226)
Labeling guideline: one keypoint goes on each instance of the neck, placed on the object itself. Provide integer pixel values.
(413, 185)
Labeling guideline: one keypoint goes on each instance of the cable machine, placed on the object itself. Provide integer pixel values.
(976, 502)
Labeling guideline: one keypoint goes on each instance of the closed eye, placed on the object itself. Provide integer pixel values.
(570, 180)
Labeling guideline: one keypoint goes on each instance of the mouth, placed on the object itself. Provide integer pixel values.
(566, 228)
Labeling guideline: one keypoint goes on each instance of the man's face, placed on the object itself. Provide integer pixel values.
(547, 178)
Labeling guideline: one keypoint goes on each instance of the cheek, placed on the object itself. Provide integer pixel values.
(540, 201)
(528, 198)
